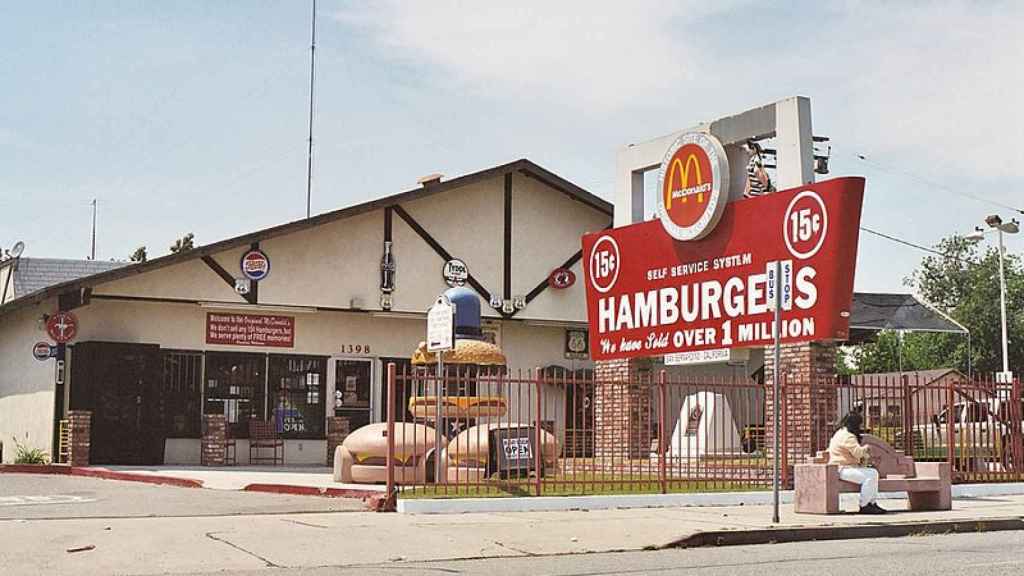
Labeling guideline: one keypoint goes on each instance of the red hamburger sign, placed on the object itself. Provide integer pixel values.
(650, 294)
(694, 186)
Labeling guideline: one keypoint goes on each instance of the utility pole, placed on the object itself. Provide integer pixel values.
(312, 76)
(92, 252)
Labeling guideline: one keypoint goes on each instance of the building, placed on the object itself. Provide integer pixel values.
(328, 302)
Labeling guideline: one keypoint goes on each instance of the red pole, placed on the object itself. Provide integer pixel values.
(391, 495)
(950, 419)
(662, 451)
(908, 415)
(538, 446)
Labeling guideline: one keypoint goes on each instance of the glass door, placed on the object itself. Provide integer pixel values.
(353, 390)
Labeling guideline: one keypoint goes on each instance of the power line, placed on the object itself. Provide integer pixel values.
(927, 182)
(917, 246)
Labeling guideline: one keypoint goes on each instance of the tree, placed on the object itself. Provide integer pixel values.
(139, 255)
(963, 283)
(183, 244)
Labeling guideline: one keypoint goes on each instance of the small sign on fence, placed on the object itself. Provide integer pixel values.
(512, 450)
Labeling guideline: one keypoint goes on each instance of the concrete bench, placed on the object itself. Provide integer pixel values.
(928, 484)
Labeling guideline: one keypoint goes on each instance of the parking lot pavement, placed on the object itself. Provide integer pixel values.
(30, 496)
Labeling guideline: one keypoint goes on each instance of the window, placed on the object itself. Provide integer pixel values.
(236, 386)
(297, 386)
(182, 397)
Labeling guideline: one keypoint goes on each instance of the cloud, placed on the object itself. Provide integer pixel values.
(934, 84)
(598, 56)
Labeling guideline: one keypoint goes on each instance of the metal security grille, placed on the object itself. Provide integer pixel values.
(182, 394)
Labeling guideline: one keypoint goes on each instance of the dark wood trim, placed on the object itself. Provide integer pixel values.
(543, 285)
(253, 297)
(216, 267)
(227, 277)
(444, 254)
(567, 264)
(507, 274)
(148, 299)
(387, 223)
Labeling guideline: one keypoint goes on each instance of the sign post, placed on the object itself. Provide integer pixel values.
(440, 337)
(777, 353)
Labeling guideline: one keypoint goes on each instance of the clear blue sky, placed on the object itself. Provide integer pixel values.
(191, 116)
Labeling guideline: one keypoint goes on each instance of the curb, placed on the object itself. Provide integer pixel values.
(311, 491)
(101, 473)
(823, 533)
(627, 501)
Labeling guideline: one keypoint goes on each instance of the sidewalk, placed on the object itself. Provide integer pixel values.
(205, 544)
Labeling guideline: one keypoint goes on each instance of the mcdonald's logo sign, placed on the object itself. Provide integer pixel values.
(694, 186)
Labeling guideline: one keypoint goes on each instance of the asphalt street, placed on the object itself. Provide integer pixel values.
(988, 554)
(64, 526)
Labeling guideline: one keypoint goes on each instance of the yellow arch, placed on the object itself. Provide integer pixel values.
(684, 172)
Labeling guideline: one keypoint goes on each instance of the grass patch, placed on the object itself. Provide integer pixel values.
(592, 486)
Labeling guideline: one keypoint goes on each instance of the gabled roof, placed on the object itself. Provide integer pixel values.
(522, 166)
(34, 274)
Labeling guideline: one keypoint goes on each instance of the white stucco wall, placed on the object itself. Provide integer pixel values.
(26, 384)
(336, 267)
(547, 228)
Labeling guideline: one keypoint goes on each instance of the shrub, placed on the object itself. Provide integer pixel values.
(26, 455)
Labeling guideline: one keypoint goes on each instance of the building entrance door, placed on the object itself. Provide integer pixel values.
(353, 390)
(120, 384)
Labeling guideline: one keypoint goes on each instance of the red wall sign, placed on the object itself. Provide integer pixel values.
(62, 327)
(649, 294)
(250, 330)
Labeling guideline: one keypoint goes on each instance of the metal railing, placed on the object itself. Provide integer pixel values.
(539, 432)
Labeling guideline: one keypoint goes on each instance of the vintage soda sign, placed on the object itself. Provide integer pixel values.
(650, 294)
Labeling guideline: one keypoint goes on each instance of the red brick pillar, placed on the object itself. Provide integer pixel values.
(214, 442)
(79, 432)
(622, 414)
(338, 428)
(809, 402)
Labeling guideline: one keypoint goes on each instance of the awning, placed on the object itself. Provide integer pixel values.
(873, 312)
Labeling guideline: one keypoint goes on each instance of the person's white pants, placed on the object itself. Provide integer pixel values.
(866, 477)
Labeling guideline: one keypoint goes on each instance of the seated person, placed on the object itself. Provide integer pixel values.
(846, 450)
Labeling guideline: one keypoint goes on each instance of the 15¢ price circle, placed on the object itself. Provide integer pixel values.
(805, 225)
(604, 264)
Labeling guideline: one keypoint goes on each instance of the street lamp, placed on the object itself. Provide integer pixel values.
(1011, 227)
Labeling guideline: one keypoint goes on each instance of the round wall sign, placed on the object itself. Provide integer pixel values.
(42, 351)
(455, 272)
(693, 186)
(62, 327)
(562, 278)
(255, 264)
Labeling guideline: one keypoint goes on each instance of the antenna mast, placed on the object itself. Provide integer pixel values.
(93, 251)
(312, 76)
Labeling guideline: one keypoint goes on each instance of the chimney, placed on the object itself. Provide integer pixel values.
(430, 179)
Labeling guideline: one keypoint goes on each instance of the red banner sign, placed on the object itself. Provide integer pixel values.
(649, 294)
(250, 330)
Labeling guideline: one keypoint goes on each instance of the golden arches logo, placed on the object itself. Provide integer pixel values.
(683, 170)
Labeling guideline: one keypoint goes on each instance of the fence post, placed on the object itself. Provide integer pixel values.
(538, 460)
(1016, 428)
(950, 425)
(392, 496)
(662, 447)
(783, 420)
(908, 412)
